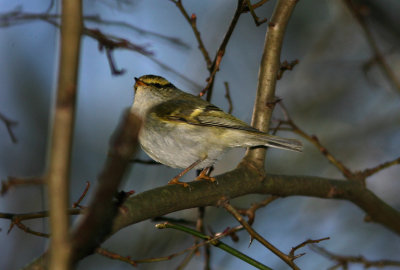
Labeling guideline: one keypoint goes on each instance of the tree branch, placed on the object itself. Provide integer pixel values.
(61, 140)
(268, 74)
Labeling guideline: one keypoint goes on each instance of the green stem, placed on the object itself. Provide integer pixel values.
(214, 242)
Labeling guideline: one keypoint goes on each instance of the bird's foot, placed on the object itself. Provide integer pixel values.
(203, 176)
(175, 181)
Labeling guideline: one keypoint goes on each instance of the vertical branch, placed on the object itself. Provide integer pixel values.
(268, 73)
(62, 131)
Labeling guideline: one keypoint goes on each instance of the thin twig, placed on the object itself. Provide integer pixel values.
(16, 219)
(303, 244)
(380, 167)
(259, 4)
(254, 235)
(251, 212)
(349, 174)
(221, 49)
(228, 97)
(9, 125)
(26, 229)
(257, 20)
(15, 181)
(215, 242)
(314, 140)
(77, 203)
(387, 70)
(192, 21)
(135, 262)
(285, 65)
(210, 80)
(15, 17)
(343, 260)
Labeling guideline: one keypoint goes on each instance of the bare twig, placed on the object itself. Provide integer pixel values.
(254, 235)
(380, 167)
(221, 49)
(286, 66)
(135, 262)
(259, 4)
(16, 219)
(257, 20)
(15, 181)
(77, 203)
(315, 141)
(9, 125)
(210, 80)
(349, 174)
(13, 18)
(26, 229)
(251, 212)
(387, 70)
(228, 97)
(344, 261)
(62, 132)
(97, 19)
(303, 244)
(192, 21)
(215, 242)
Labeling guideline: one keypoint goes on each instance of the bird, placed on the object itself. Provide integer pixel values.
(184, 131)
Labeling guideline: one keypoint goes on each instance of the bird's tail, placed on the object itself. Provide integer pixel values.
(283, 143)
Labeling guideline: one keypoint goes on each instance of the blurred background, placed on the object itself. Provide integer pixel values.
(337, 92)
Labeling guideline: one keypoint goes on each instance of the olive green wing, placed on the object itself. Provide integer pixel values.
(198, 112)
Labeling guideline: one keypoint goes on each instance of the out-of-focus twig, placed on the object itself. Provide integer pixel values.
(135, 262)
(15, 181)
(289, 260)
(95, 224)
(16, 219)
(344, 261)
(9, 125)
(315, 141)
(349, 174)
(99, 20)
(18, 17)
(360, 17)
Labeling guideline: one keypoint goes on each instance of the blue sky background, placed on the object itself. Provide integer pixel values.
(354, 114)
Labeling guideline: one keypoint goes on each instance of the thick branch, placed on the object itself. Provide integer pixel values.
(268, 73)
(96, 223)
(63, 123)
(245, 180)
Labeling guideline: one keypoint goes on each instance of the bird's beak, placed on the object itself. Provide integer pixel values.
(138, 82)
